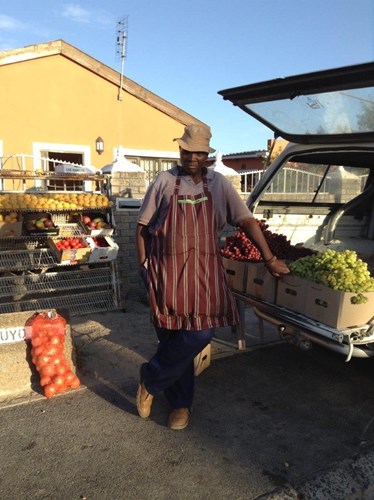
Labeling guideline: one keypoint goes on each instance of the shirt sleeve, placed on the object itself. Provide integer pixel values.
(149, 207)
(156, 201)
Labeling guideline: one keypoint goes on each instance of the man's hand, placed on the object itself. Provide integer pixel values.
(277, 268)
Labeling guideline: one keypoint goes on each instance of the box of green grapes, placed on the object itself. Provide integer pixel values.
(340, 292)
(337, 308)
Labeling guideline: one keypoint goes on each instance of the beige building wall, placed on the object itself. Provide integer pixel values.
(54, 94)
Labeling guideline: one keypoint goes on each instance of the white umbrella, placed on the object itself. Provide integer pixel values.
(121, 165)
(219, 166)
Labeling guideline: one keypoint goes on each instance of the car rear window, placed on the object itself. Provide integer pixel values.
(316, 183)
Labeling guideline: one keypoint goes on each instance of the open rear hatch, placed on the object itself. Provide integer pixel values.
(334, 105)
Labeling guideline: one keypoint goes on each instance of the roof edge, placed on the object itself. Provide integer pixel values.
(29, 52)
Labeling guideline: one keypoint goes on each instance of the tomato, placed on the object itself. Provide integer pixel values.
(60, 369)
(50, 390)
(69, 377)
(36, 341)
(72, 380)
(51, 351)
(45, 381)
(47, 370)
(58, 359)
(75, 382)
(55, 340)
(60, 349)
(59, 382)
(38, 350)
(42, 360)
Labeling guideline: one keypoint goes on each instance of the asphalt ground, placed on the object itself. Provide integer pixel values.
(269, 422)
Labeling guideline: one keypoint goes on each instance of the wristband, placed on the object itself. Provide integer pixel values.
(269, 261)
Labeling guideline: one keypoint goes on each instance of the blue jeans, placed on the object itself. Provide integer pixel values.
(171, 369)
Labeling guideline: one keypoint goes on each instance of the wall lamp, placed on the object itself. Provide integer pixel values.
(99, 144)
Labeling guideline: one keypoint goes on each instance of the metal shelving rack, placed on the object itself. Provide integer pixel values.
(32, 278)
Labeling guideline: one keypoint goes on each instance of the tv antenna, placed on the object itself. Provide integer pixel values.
(121, 43)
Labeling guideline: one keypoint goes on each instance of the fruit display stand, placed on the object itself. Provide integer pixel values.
(32, 275)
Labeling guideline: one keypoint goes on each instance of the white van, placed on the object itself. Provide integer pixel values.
(319, 192)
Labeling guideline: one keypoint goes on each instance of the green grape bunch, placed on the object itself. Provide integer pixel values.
(342, 271)
(359, 299)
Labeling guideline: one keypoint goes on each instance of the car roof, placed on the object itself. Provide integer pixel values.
(332, 105)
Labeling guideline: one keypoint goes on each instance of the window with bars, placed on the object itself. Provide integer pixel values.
(153, 166)
(63, 185)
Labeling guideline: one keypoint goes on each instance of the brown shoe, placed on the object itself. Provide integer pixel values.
(143, 401)
(179, 418)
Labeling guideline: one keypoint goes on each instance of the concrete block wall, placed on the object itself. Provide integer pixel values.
(131, 285)
(236, 182)
(131, 185)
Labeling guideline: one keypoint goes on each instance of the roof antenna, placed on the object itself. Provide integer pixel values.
(121, 42)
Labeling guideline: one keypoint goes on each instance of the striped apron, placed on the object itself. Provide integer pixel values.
(186, 280)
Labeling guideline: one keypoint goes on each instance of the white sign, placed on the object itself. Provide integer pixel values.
(12, 334)
(61, 168)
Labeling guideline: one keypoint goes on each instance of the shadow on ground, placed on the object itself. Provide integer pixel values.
(288, 413)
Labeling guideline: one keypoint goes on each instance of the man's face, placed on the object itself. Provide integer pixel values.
(193, 161)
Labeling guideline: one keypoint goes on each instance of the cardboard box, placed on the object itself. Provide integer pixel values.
(260, 283)
(202, 360)
(71, 255)
(292, 293)
(236, 273)
(334, 308)
(103, 249)
(11, 229)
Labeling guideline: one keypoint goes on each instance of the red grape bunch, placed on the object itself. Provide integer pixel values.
(240, 247)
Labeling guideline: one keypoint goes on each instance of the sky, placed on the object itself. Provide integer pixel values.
(186, 51)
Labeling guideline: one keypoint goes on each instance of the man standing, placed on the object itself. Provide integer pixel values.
(182, 214)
